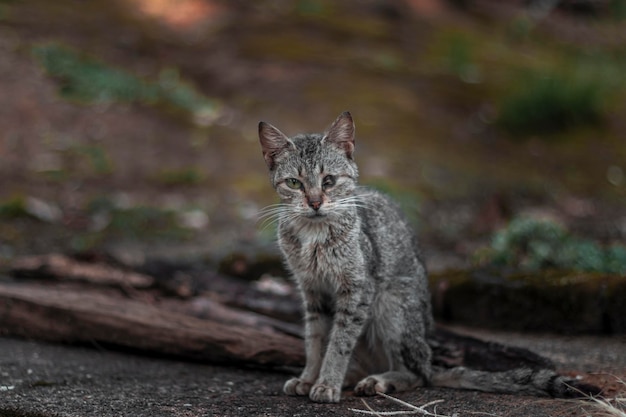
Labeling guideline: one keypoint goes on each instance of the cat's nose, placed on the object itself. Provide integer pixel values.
(315, 204)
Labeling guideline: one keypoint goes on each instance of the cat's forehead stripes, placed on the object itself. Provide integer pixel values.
(307, 144)
(310, 152)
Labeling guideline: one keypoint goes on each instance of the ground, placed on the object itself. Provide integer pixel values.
(85, 150)
(41, 380)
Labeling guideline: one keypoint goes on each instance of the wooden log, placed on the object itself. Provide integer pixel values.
(231, 321)
(54, 314)
(61, 267)
(230, 291)
(205, 308)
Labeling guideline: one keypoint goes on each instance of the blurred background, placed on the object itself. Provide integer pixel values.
(130, 126)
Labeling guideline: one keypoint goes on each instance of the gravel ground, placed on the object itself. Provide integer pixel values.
(39, 379)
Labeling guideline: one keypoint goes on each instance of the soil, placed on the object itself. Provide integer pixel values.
(420, 134)
(41, 380)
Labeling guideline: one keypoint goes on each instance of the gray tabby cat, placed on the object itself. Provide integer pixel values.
(361, 276)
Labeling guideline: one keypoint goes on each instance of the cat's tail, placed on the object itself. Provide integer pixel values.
(537, 382)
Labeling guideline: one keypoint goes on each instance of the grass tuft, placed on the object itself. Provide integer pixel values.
(88, 80)
(533, 245)
(13, 208)
(608, 407)
(175, 177)
(412, 409)
(550, 103)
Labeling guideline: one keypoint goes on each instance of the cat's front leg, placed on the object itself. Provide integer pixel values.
(352, 310)
(317, 324)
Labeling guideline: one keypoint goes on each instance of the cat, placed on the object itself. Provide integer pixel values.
(362, 278)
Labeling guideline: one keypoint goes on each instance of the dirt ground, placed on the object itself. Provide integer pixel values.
(43, 380)
(425, 135)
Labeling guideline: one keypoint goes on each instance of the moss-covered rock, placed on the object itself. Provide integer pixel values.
(568, 302)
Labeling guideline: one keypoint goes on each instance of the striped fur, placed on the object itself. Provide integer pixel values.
(361, 276)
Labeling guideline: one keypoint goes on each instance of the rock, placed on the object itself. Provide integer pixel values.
(557, 301)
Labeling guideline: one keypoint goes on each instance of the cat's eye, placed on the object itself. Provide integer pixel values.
(293, 183)
(328, 181)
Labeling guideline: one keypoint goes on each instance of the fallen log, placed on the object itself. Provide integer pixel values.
(231, 291)
(203, 307)
(61, 267)
(230, 321)
(165, 278)
(63, 315)
(206, 331)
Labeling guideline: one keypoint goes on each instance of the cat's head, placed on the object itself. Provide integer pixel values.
(314, 174)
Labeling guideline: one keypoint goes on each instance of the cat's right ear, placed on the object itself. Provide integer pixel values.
(273, 142)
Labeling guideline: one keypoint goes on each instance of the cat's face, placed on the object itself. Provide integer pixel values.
(314, 174)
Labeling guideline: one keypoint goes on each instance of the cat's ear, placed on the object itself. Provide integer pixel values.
(341, 133)
(273, 142)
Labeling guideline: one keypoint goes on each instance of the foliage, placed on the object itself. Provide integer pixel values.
(618, 9)
(96, 156)
(13, 208)
(532, 244)
(184, 176)
(137, 221)
(100, 160)
(310, 7)
(551, 102)
(459, 58)
(88, 80)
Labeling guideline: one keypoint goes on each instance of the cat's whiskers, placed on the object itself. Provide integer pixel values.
(272, 214)
(279, 213)
(284, 212)
(273, 207)
(351, 202)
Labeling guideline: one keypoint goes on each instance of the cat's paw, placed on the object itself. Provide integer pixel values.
(296, 386)
(321, 393)
(373, 385)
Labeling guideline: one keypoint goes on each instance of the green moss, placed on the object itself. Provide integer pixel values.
(618, 9)
(184, 176)
(134, 222)
(13, 208)
(6, 9)
(551, 102)
(533, 245)
(312, 7)
(85, 79)
(144, 221)
(538, 85)
(96, 158)
(459, 58)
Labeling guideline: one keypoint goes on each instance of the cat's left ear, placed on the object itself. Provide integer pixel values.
(341, 133)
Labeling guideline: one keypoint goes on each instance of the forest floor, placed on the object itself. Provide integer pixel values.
(43, 380)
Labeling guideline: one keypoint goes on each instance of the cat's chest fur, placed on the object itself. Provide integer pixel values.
(319, 252)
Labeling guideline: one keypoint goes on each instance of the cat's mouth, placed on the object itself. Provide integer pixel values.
(316, 216)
